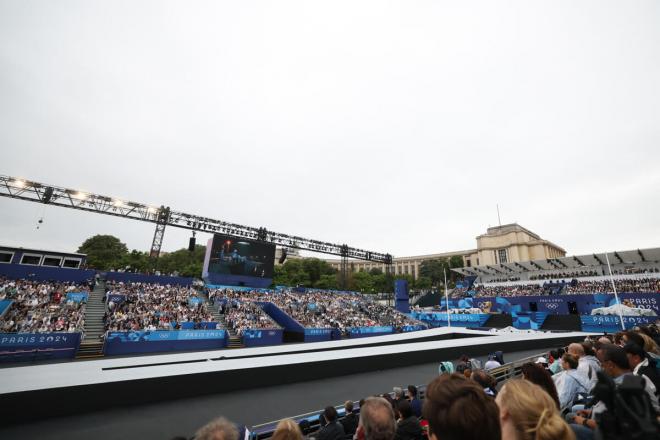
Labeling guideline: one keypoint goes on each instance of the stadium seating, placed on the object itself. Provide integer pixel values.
(42, 307)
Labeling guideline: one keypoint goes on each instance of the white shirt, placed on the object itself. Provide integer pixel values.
(490, 364)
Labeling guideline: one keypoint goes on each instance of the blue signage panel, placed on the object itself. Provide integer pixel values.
(116, 298)
(262, 336)
(145, 341)
(77, 296)
(439, 319)
(362, 332)
(4, 305)
(27, 346)
(611, 323)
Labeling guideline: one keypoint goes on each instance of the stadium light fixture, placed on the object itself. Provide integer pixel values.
(80, 195)
(118, 203)
(19, 183)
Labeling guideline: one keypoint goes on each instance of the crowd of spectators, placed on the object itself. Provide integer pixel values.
(511, 290)
(243, 315)
(555, 398)
(322, 309)
(153, 307)
(628, 285)
(565, 275)
(41, 307)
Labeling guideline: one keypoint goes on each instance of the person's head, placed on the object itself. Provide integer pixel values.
(569, 362)
(376, 420)
(412, 391)
(538, 375)
(330, 414)
(604, 340)
(398, 393)
(635, 354)
(217, 429)
(588, 348)
(404, 409)
(287, 429)
(459, 409)
(576, 350)
(613, 360)
(528, 412)
(649, 344)
(633, 337)
(484, 379)
(467, 373)
(348, 406)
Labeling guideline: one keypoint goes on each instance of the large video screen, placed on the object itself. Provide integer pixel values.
(239, 256)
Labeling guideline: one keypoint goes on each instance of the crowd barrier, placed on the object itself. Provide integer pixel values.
(145, 341)
(41, 273)
(38, 346)
(440, 319)
(126, 277)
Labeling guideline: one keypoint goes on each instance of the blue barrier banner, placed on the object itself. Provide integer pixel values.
(26, 346)
(318, 331)
(361, 332)
(116, 298)
(259, 337)
(77, 296)
(528, 320)
(401, 297)
(413, 328)
(439, 319)
(4, 305)
(611, 323)
(145, 341)
(559, 304)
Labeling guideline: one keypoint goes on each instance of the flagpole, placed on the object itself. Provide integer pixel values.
(616, 297)
(444, 271)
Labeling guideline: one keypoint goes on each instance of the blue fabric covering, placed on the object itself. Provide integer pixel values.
(40, 273)
(34, 346)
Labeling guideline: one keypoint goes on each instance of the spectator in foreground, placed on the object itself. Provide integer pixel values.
(333, 430)
(415, 403)
(570, 382)
(458, 408)
(350, 422)
(217, 429)
(527, 412)
(376, 420)
(639, 362)
(287, 429)
(408, 427)
(538, 375)
(491, 363)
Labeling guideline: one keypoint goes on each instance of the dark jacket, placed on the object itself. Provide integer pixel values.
(409, 429)
(331, 431)
(350, 423)
(416, 406)
(652, 373)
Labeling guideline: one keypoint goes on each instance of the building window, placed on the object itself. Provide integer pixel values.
(5, 257)
(52, 261)
(501, 253)
(71, 263)
(31, 259)
(468, 263)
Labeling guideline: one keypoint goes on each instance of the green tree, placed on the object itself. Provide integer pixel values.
(135, 260)
(183, 262)
(434, 270)
(423, 283)
(103, 252)
(328, 282)
(363, 282)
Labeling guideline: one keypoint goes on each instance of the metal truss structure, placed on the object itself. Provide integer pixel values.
(162, 216)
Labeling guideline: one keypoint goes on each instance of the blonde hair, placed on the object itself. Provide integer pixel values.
(649, 344)
(287, 429)
(533, 412)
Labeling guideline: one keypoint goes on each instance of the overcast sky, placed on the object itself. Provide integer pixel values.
(391, 126)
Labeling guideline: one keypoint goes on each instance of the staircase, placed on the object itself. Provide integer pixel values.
(92, 346)
(235, 341)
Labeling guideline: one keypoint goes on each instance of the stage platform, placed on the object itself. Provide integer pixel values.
(51, 390)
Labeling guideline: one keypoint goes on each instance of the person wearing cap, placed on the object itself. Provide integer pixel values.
(542, 361)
